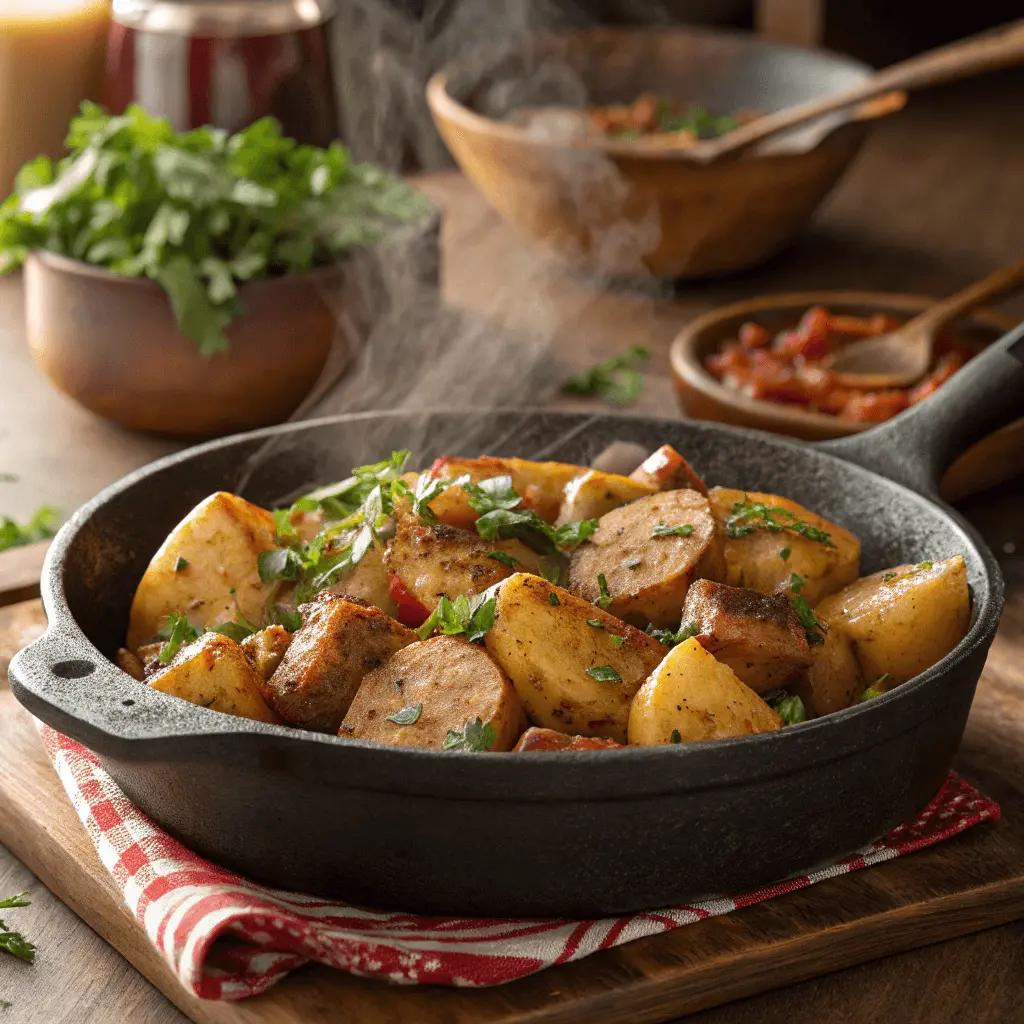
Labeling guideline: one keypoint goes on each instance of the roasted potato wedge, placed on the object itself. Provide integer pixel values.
(648, 575)
(215, 548)
(756, 560)
(757, 635)
(265, 650)
(561, 655)
(667, 470)
(690, 696)
(442, 683)
(338, 643)
(536, 740)
(594, 494)
(131, 663)
(903, 620)
(368, 581)
(213, 672)
(434, 560)
(834, 681)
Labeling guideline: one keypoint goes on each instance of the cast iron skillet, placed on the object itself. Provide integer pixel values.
(542, 834)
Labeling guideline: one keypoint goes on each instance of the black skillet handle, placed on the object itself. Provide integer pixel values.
(916, 447)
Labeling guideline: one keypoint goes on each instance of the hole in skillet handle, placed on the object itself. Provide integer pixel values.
(73, 669)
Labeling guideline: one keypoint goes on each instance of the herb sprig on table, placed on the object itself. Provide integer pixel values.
(617, 380)
(43, 525)
(199, 212)
(14, 942)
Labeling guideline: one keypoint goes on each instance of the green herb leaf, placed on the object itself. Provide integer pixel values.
(474, 736)
(43, 525)
(661, 530)
(925, 565)
(471, 617)
(553, 598)
(796, 582)
(785, 552)
(409, 715)
(554, 569)
(616, 380)
(675, 737)
(606, 598)
(500, 556)
(180, 564)
(617, 640)
(289, 618)
(279, 564)
(671, 638)
(886, 576)
(813, 626)
(604, 674)
(789, 707)
(596, 623)
(875, 689)
(746, 516)
(13, 942)
(492, 494)
(697, 121)
(176, 632)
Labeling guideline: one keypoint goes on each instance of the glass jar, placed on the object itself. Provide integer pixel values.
(225, 62)
(51, 58)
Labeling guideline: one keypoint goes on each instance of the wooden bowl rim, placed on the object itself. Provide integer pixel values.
(445, 107)
(687, 366)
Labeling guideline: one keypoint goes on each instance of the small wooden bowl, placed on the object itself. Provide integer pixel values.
(637, 208)
(112, 343)
(701, 396)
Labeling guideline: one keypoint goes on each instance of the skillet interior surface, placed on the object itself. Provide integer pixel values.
(579, 833)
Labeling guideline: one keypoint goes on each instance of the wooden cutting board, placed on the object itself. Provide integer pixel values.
(970, 883)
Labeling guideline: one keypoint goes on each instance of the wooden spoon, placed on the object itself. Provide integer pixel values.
(986, 51)
(902, 357)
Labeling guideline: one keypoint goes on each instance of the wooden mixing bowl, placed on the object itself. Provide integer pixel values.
(636, 208)
(112, 343)
(701, 396)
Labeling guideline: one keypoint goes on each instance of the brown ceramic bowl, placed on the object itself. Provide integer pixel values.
(112, 343)
(637, 208)
(702, 396)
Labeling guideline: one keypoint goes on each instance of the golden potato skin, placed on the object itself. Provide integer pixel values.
(647, 576)
(220, 539)
(434, 560)
(455, 682)
(593, 494)
(128, 662)
(754, 561)
(339, 642)
(667, 470)
(699, 698)
(368, 581)
(834, 681)
(265, 650)
(757, 635)
(902, 620)
(213, 672)
(546, 649)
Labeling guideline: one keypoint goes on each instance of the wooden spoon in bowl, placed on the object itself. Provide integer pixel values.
(986, 51)
(902, 357)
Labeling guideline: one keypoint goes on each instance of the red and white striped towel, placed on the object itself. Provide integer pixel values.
(228, 938)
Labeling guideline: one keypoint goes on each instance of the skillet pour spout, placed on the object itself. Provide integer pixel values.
(563, 834)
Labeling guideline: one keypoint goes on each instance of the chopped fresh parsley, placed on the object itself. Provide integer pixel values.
(813, 626)
(925, 565)
(14, 942)
(177, 632)
(617, 640)
(675, 737)
(789, 707)
(670, 638)
(886, 576)
(474, 736)
(661, 530)
(605, 599)
(697, 121)
(616, 380)
(180, 564)
(596, 623)
(796, 582)
(287, 617)
(785, 552)
(280, 564)
(43, 524)
(469, 617)
(409, 715)
(747, 516)
(500, 556)
(604, 674)
(200, 212)
(493, 494)
(553, 598)
(875, 689)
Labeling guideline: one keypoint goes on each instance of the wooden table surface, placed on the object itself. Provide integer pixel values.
(933, 202)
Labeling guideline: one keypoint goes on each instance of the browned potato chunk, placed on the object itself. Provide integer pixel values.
(339, 642)
(757, 635)
(648, 575)
(213, 672)
(265, 649)
(903, 620)
(757, 560)
(435, 560)
(212, 550)
(368, 581)
(834, 680)
(434, 686)
(691, 696)
(667, 470)
(594, 494)
(130, 663)
(574, 666)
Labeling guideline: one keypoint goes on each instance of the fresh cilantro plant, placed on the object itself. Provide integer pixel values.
(14, 942)
(42, 525)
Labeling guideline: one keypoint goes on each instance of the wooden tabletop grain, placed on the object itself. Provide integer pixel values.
(933, 202)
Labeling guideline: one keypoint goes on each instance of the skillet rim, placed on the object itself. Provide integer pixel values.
(781, 750)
